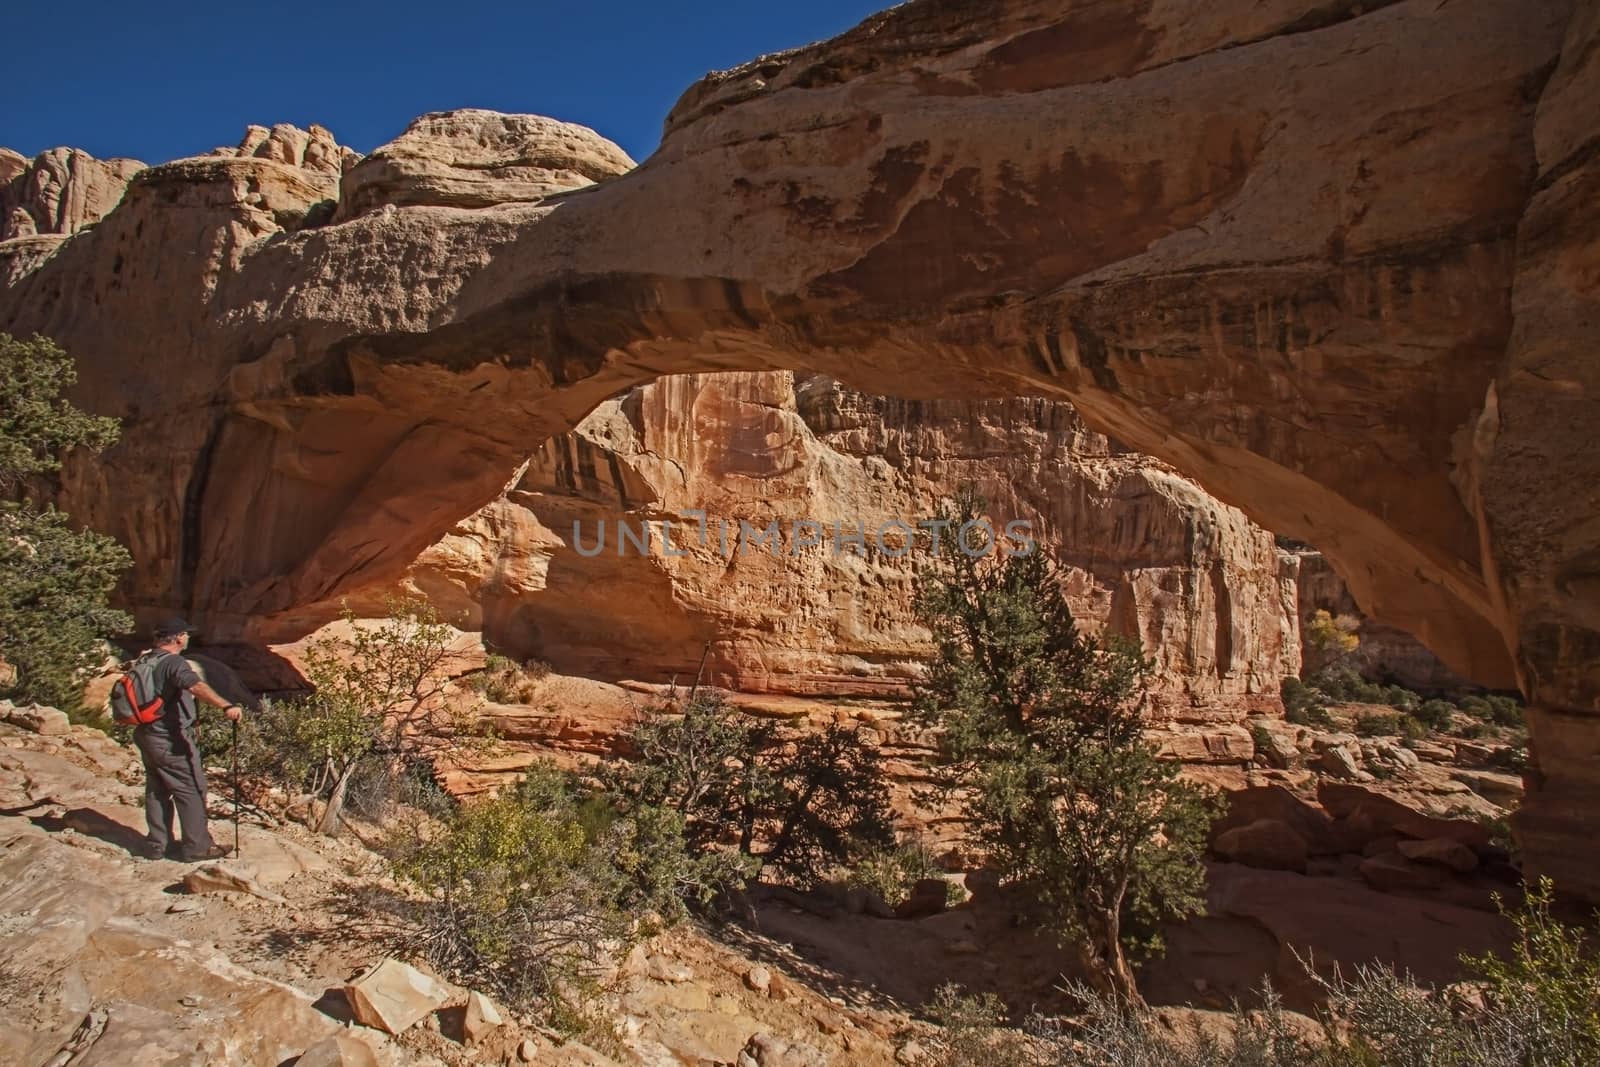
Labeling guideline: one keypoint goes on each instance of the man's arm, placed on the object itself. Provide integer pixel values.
(216, 700)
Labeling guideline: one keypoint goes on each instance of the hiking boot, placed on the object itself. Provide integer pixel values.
(215, 852)
(152, 851)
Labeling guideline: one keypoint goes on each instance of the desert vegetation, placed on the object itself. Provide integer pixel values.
(55, 581)
(377, 714)
(1043, 734)
(1538, 1006)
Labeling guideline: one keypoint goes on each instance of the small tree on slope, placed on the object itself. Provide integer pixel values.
(54, 581)
(1043, 733)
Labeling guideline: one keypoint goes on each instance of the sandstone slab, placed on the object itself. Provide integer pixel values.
(1442, 851)
(229, 878)
(338, 1050)
(1264, 843)
(1365, 811)
(393, 996)
(1390, 870)
(39, 719)
(482, 1018)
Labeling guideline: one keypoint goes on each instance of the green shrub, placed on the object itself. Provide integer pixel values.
(1477, 707)
(1116, 1034)
(1344, 683)
(1469, 731)
(1435, 714)
(55, 582)
(1504, 711)
(1540, 1006)
(972, 1031)
(505, 681)
(1390, 724)
(1401, 698)
(891, 873)
(519, 895)
(802, 807)
(1304, 705)
(379, 709)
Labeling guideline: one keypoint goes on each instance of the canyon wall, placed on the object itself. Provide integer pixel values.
(1145, 551)
(1336, 263)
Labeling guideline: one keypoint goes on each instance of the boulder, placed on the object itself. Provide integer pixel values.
(1441, 851)
(481, 1018)
(1365, 812)
(1390, 752)
(1204, 744)
(663, 969)
(218, 878)
(1340, 761)
(1506, 790)
(1390, 870)
(392, 996)
(472, 158)
(768, 1050)
(1433, 752)
(758, 978)
(1265, 843)
(1246, 806)
(1275, 743)
(40, 719)
(338, 1050)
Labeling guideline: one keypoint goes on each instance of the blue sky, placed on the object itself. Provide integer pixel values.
(155, 80)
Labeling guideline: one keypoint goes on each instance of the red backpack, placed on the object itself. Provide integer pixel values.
(136, 698)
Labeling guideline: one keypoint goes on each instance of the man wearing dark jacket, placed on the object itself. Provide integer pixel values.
(175, 781)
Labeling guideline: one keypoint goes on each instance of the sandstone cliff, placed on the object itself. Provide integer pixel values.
(1146, 551)
(60, 192)
(1336, 264)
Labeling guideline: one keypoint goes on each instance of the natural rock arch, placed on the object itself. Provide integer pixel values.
(1338, 267)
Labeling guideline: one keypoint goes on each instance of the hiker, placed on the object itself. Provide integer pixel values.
(173, 776)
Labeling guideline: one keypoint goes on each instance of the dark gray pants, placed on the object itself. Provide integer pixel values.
(173, 781)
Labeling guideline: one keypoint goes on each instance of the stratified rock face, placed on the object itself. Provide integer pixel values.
(1335, 263)
(473, 159)
(1145, 551)
(60, 192)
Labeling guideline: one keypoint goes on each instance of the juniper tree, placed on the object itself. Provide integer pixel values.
(54, 581)
(1043, 735)
(799, 805)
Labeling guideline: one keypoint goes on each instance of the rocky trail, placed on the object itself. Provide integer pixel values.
(1351, 850)
(114, 959)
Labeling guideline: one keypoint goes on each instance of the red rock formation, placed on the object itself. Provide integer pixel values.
(1336, 264)
(1146, 551)
(60, 192)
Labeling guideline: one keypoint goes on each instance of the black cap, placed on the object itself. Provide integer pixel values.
(172, 627)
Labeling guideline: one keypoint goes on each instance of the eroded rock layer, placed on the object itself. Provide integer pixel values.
(59, 192)
(547, 571)
(1335, 263)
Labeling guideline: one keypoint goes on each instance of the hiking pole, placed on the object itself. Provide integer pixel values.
(233, 758)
